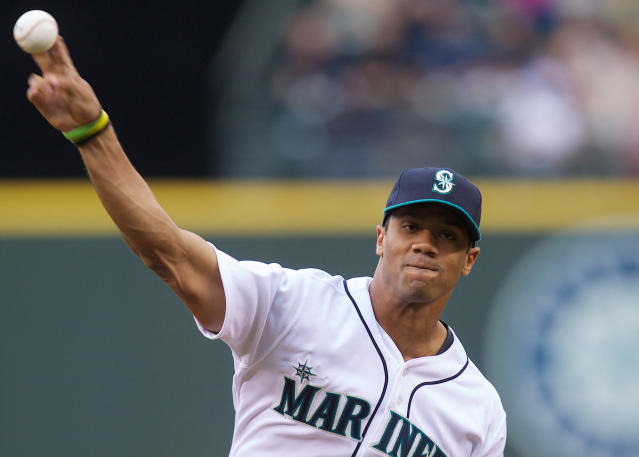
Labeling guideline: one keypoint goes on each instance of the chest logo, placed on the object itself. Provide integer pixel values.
(443, 182)
(304, 371)
(402, 438)
(328, 411)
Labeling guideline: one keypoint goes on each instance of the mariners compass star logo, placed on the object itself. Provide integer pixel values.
(304, 371)
(443, 182)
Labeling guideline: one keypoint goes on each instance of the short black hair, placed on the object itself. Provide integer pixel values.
(386, 219)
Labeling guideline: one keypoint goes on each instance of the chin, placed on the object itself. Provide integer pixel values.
(419, 291)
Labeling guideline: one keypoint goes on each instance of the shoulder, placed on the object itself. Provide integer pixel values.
(489, 392)
(279, 277)
(494, 415)
(474, 380)
(310, 280)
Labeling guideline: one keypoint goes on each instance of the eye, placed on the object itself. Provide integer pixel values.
(448, 235)
(409, 226)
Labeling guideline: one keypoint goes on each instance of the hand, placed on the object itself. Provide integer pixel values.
(64, 99)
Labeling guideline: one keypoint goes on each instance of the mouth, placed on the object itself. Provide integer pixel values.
(422, 266)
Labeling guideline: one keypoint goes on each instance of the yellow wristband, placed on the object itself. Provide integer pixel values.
(85, 132)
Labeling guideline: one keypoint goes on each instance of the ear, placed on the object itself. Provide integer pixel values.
(471, 257)
(379, 244)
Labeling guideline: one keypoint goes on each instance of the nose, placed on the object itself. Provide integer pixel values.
(425, 243)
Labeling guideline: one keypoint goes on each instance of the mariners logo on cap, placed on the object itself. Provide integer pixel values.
(443, 182)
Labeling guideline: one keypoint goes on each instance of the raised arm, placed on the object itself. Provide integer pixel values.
(182, 259)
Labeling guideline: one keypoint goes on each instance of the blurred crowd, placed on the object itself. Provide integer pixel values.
(490, 87)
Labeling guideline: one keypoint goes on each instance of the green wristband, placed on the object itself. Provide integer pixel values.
(85, 132)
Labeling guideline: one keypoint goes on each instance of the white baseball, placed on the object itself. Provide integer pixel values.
(35, 31)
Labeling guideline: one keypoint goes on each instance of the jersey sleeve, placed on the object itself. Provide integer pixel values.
(495, 438)
(250, 320)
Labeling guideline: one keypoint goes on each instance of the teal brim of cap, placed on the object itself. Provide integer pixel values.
(442, 202)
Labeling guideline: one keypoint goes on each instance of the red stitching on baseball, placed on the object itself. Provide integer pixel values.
(44, 19)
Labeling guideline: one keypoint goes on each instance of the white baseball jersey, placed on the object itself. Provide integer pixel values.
(316, 375)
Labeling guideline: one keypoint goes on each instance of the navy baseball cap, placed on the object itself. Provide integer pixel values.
(440, 186)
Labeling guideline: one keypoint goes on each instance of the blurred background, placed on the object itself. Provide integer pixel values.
(276, 129)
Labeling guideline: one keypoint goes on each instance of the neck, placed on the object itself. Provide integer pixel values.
(413, 326)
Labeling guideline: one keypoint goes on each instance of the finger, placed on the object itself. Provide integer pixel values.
(38, 87)
(57, 58)
(61, 54)
(34, 80)
(44, 85)
(44, 61)
(50, 82)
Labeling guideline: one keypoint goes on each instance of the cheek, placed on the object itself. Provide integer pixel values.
(394, 251)
(456, 267)
(389, 258)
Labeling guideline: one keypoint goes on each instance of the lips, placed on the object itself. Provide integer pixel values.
(423, 266)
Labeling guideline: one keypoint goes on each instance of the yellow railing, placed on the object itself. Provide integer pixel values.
(71, 208)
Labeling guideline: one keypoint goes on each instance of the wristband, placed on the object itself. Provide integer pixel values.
(85, 132)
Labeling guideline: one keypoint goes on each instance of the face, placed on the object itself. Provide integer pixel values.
(423, 252)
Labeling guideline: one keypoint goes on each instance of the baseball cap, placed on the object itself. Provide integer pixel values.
(441, 186)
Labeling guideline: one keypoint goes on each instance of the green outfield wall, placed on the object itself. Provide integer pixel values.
(99, 358)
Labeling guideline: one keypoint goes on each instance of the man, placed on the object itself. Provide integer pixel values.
(323, 366)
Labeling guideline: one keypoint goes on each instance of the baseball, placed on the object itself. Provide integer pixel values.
(35, 31)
